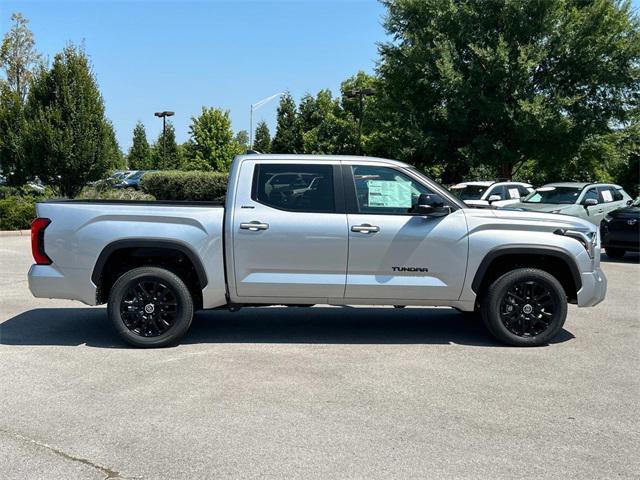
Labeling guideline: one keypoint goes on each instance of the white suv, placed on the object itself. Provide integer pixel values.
(486, 194)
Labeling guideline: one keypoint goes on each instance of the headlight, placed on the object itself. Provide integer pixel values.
(589, 240)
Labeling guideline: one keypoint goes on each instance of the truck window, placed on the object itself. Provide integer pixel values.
(294, 187)
(385, 190)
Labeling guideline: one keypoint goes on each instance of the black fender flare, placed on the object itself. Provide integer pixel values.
(546, 250)
(141, 243)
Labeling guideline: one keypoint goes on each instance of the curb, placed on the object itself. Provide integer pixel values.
(15, 233)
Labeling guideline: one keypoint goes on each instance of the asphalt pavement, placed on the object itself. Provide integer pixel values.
(349, 393)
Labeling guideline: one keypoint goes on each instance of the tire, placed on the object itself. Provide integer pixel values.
(526, 307)
(614, 252)
(150, 307)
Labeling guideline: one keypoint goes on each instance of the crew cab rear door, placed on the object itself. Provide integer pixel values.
(289, 230)
(394, 254)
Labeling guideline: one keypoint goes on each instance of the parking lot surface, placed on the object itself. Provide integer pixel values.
(316, 393)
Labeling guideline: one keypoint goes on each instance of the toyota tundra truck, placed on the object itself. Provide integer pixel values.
(306, 230)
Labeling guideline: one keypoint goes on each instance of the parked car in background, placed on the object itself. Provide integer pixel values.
(132, 180)
(484, 194)
(590, 201)
(620, 230)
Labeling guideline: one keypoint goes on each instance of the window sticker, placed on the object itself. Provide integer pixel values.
(514, 193)
(390, 194)
(606, 195)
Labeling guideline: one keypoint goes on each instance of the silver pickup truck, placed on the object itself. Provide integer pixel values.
(305, 230)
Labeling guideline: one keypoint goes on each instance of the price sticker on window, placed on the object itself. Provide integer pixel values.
(389, 194)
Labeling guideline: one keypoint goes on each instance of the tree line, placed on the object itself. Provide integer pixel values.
(539, 91)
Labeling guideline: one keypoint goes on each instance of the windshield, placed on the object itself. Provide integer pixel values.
(558, 195)
(137, 175)
(469, 192)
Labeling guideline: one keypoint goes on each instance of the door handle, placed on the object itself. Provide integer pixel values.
(365, 228)
(254, 226)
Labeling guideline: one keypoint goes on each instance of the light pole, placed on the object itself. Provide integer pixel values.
(164, 116)
(254, 107)
(360, 93)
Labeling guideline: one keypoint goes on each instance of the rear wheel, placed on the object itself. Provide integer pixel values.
(150, 307)
(614, 252)
(525, 307)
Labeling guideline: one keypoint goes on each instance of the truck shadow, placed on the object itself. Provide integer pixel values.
(629, 257)
(319, 325)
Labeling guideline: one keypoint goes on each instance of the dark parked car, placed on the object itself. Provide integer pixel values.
(620, 230)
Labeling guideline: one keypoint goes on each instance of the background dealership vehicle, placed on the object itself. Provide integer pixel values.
(620, 230)
(132, 179)
(591, 201)
(483, 194)
(363, 231)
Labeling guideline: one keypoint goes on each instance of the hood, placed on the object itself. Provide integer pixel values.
(544, 207)
(627, 212)
(529, 220)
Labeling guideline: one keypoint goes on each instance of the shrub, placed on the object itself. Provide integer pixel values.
(17, 212)
(99, 192)
(194, 185)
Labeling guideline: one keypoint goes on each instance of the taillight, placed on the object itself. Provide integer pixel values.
(37, 241)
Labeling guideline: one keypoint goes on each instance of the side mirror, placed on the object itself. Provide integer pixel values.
(590, 202)
(494, 198)
(629, 202)
(430, 204)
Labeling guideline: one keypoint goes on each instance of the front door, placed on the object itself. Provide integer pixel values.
(290, 231)
(595, 213)
(394, 254)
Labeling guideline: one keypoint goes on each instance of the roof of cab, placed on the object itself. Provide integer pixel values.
(307, 158)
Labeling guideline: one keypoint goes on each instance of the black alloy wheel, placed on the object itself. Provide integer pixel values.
(150, 307)
(527, 308)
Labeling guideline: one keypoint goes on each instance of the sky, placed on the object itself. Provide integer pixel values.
(169, 55)
(150, 56)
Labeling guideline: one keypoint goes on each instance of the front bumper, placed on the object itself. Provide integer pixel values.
(594, 288)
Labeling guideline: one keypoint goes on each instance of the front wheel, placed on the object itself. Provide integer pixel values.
(150, 307)
(525, 307)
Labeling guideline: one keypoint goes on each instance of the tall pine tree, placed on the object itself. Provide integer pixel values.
(139, 157)
(288, 138)
(262, 142)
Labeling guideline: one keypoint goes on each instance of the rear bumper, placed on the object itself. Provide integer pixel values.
(594, 288)
(49, 281)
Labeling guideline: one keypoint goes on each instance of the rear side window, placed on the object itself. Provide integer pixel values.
(294, 187)
(610, 194)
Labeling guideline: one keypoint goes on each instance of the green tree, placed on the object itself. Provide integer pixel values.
(18, 60)
(212, 142)
(166, 154)
(242, 139)
(288, 137)
(326, 127)
(262, 142)
(506, 82)
(139, 157)
(68, 140)
(18, 56)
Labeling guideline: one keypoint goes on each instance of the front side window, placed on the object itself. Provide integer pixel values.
(499, 191)
(469, 192)
(385, 190)
(294, 187)
(592, 193)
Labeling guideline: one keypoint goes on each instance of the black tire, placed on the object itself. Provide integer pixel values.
(526, 307)
(614, 252)
(150, 307)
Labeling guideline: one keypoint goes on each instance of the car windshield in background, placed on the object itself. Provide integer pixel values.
(136, 175)
(470, 192)
(565, 195)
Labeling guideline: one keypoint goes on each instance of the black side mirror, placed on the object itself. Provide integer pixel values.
(430, 204)
(629, 202)
(590, 202)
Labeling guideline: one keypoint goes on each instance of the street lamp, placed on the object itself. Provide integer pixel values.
(254, 107)
(164, 116)
(360, 93)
